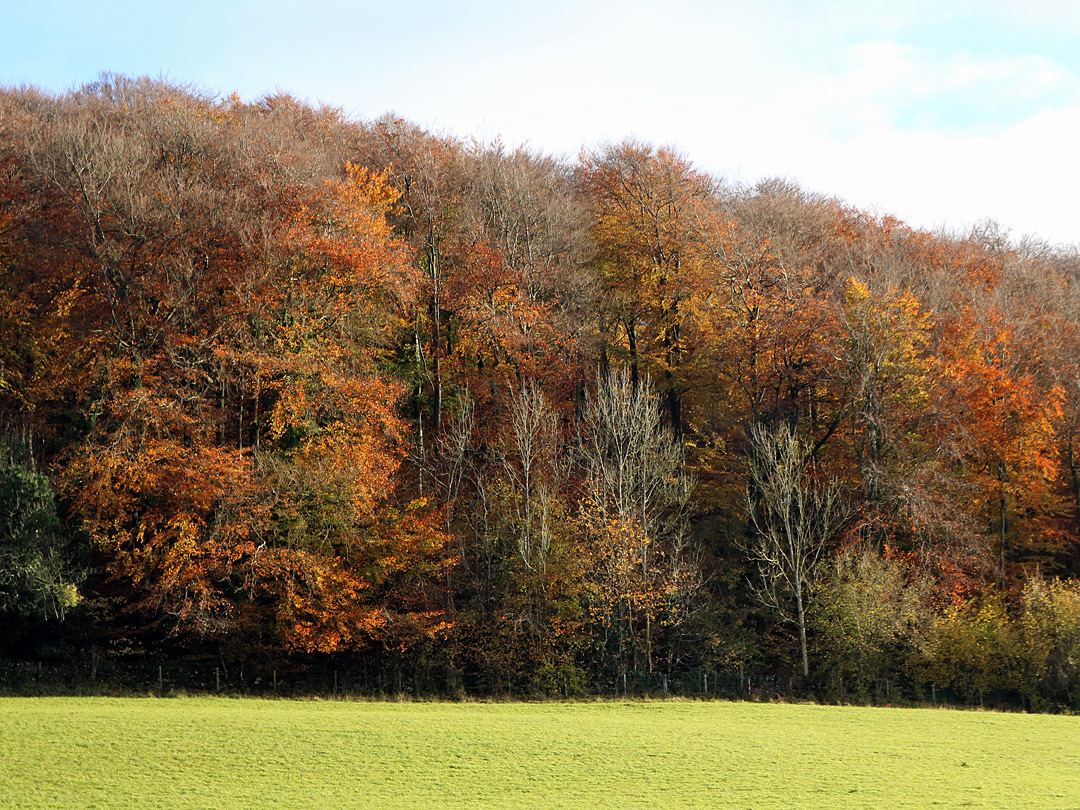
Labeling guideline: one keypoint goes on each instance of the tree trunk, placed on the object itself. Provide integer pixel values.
(802, 630)
(1072, 563)
(631, 340)
(1001, 520)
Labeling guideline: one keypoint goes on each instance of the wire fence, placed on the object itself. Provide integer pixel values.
(98, 673)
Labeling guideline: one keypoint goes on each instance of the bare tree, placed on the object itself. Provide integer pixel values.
(633, 460)
(527, 206)
(792, 518)
(463, 475)
(453, 460)
(533, 472)
(636, 507)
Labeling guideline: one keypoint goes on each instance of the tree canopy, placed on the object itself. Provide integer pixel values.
(272, 378)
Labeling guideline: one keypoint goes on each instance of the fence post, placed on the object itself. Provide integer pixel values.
(217, 678)
(275, 680)
(160, 681)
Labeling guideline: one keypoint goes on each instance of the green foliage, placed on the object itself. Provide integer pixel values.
(973, 648)
(552, 680)
(869, 614)
(1050, 628)
(38, 577)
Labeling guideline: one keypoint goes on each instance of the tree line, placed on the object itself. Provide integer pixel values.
(281, 385)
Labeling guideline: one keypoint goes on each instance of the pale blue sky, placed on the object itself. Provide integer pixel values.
(942, 113)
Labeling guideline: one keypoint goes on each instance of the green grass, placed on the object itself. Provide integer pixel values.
(225, 753)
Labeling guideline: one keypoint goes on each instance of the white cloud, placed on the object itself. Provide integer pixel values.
(1024, 177)
(1056, 15)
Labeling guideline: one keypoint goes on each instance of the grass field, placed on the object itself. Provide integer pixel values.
(225, 753)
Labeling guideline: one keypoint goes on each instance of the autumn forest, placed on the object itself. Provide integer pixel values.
(283, 388)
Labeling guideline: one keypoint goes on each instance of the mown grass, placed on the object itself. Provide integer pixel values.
(225, 753)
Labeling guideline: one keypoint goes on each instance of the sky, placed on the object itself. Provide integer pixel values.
(941, 113)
